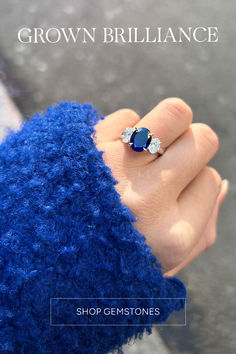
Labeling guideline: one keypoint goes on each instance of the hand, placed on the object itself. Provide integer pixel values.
(175, 197)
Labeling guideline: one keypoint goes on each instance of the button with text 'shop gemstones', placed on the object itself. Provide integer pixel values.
(140, 139)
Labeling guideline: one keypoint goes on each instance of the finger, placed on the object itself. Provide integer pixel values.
(210, 232)
(203, 243)
(197, 202)
(196, 251)
(111, 127)
(186, 157)
(167, 121)
(209, 235)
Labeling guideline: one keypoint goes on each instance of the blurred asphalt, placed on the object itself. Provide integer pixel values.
(138, 76)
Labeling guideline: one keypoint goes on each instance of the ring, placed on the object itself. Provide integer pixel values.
(141, 139)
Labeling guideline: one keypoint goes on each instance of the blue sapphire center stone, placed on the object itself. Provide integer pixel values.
(140, 139)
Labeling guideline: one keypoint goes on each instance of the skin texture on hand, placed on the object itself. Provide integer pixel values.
(175, 197)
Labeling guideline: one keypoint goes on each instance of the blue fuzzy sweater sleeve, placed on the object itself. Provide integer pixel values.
(64, 233)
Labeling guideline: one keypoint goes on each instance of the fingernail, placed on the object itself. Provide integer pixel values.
(225, 185)
(224, 191)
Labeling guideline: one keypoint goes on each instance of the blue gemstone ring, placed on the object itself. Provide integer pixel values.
(141, 139)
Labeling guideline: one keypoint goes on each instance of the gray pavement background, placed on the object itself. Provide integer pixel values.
(138, 76)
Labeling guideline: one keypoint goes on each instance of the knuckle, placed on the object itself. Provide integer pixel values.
(137, 205)
(179, 241)
(178, 108)
(130, 114)
(209, 135)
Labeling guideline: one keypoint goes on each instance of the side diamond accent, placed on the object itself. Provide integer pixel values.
(154, 146)
(126, 135)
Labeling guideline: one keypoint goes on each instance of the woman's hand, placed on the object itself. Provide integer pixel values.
(175, 197)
